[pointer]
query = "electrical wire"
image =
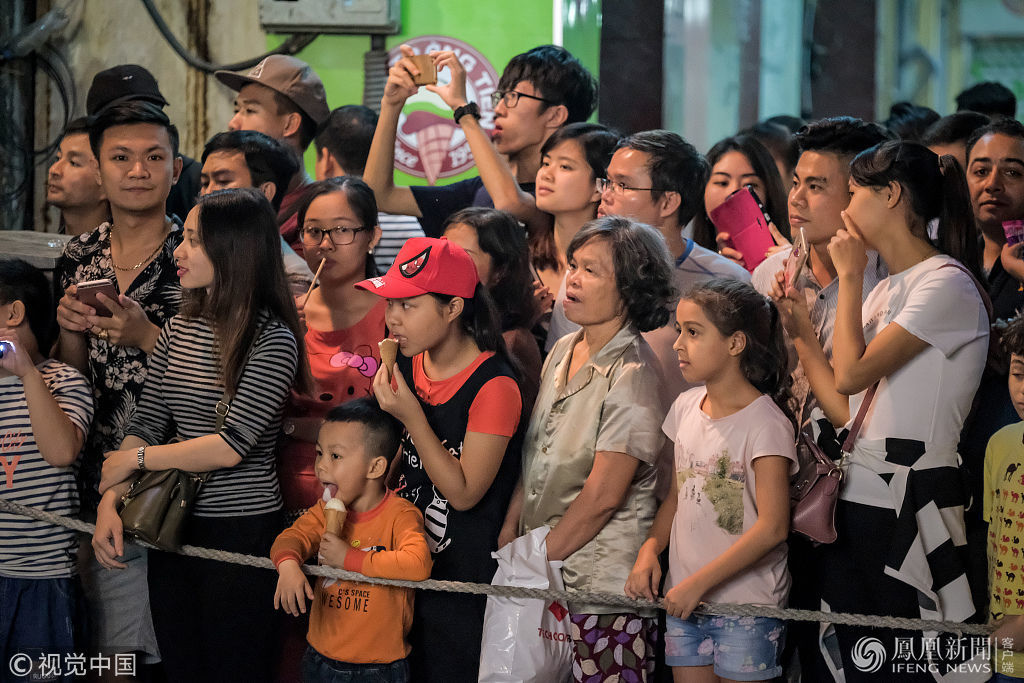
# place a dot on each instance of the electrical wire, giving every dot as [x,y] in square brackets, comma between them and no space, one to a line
[292,45]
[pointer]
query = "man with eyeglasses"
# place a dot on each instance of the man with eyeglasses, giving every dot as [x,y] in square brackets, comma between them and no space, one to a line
[539,91]
[657,177]
[247,158]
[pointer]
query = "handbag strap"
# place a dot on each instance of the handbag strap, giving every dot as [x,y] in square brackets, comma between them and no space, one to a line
[985,298]
[223,406]
[851,436]
[858,422]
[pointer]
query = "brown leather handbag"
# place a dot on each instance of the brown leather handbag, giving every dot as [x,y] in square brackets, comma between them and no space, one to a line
[814,491]
[156,506]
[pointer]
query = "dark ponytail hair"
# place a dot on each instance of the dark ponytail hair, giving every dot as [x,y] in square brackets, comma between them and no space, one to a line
[733,306]
[935,188]
[500,237]
[480,319]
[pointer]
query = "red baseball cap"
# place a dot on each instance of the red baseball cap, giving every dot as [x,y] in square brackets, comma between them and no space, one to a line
[426,265]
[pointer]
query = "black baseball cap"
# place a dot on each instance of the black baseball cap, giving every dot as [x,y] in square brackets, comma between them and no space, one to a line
[123,83]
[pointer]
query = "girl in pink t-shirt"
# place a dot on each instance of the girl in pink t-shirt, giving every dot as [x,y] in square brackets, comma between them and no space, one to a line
[727,516]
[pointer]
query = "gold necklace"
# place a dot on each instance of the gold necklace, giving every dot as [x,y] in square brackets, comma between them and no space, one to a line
[140,263]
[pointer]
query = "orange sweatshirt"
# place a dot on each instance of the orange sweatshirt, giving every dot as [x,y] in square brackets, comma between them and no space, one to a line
[360,623]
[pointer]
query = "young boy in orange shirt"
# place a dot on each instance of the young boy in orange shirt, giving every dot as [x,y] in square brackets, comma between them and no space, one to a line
[356,631]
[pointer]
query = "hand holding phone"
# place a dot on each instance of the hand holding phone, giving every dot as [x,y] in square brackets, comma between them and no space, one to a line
[743,216]
[797,260]
[87,292]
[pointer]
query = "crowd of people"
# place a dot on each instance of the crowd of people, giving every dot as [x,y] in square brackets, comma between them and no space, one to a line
[581,349]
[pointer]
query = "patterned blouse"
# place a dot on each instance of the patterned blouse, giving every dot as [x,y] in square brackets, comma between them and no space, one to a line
[117,372]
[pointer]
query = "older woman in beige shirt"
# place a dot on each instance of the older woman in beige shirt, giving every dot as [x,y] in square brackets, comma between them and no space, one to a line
[590,452]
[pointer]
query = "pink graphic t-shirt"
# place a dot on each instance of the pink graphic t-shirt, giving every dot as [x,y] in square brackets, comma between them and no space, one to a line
[715,475]
[343,363]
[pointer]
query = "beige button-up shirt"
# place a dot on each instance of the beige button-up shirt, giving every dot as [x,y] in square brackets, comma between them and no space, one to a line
[614,404]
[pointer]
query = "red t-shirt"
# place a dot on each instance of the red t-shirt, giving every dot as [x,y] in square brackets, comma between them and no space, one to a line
[343,363]
[496,408]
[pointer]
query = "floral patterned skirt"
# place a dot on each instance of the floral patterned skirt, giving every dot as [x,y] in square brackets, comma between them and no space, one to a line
[613,648]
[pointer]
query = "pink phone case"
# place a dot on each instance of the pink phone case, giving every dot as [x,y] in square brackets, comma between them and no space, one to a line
[741,217]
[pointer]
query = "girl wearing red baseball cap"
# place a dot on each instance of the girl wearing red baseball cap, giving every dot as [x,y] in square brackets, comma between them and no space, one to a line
[457,393]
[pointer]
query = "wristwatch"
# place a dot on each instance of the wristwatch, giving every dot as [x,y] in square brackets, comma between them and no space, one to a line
[142,458]
[469,108]
[289,427]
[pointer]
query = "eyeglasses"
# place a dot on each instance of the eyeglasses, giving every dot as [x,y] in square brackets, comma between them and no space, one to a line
[341,235]
[511,98]
[603,184]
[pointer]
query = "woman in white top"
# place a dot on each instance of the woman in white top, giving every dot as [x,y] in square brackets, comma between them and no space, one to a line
[922,337]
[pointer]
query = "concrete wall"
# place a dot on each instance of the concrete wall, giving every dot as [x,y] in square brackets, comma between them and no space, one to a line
[108,32]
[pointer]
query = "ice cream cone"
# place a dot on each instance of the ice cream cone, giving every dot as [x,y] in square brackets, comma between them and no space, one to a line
[335,514]
[388,354]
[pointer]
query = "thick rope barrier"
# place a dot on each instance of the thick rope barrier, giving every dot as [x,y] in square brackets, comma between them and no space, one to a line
[610,599]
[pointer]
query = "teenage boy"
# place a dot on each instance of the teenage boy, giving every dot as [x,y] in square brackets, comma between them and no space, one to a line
[137,150]
[819,194]
[247,158]
[47,407]
[381,535]
[342,146]
[539,91]
[128,83]
[657,177]
[284,98]
[73,183]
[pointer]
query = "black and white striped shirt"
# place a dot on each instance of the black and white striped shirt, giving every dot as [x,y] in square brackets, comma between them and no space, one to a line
[182,389]
[394,232]
[29,548]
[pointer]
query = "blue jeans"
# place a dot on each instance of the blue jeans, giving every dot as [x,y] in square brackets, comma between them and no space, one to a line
[316,667]
[39,617]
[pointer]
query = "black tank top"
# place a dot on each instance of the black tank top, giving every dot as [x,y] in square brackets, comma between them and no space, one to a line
[461,541]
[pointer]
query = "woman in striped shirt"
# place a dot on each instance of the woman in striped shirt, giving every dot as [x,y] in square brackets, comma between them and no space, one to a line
[236,340]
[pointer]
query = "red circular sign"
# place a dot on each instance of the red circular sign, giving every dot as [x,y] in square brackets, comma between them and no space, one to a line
[429,144]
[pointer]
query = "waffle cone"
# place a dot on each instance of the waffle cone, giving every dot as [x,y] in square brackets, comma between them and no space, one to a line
[388,354]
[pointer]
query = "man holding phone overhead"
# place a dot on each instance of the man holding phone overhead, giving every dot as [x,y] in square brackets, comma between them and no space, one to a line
[539,91]
[136,146]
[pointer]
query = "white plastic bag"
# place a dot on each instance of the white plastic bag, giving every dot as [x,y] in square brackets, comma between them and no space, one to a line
[526,640]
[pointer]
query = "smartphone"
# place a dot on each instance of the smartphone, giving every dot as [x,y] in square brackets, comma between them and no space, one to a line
[87,292]
[797,260]
[743,217]
[533,271]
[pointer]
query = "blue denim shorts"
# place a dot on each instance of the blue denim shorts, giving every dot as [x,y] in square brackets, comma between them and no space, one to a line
[740,648]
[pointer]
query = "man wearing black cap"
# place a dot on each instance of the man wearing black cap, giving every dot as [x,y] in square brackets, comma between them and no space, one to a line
[284,98]
[131,82]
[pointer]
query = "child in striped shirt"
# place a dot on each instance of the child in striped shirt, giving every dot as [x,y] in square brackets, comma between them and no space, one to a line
[45,410]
